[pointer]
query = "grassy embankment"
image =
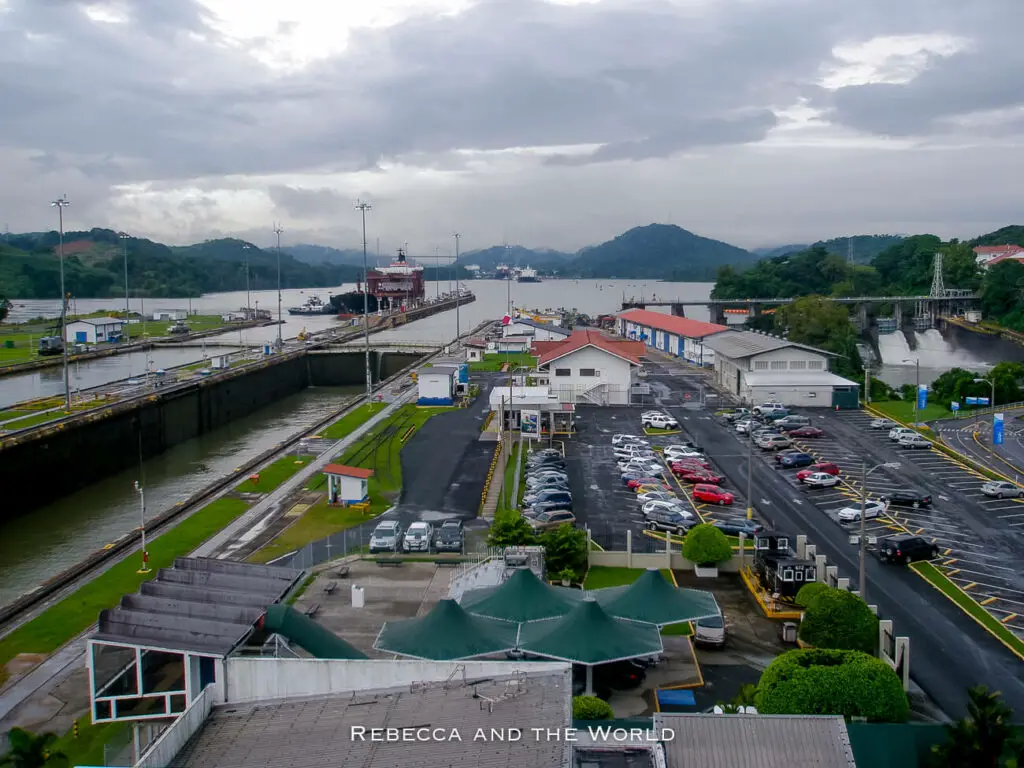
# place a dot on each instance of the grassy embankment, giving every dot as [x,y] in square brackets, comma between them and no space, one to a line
[495,361]
[379,450]
[601,576]
[903,410]
[46,409]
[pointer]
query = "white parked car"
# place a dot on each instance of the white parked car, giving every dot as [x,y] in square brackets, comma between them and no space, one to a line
[914,440]
[710,631]
[661,421]
[743,426]
[882,424]
[418,537]
[768,407]
[897,432]
[647,468]
[618,439]
[386,537]
[668,506]
[1001,489]
[873,508]
[653,495]
[633,450]
[821,480]
[674,454]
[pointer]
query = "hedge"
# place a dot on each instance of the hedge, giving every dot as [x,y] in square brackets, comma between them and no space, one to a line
[810,591]
[591,708]
[706,545]
[819,681]
[835,618]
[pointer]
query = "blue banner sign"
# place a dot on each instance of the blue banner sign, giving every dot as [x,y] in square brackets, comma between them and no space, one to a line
[982,401]
[971,400]
[997,429]
[954,406]
[922,397]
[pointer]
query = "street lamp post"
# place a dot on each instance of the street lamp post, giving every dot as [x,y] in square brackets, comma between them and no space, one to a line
[864,472]
[142,520]
[248,300]
[60,204]
[917,386]
[277,231]
[991,382]
[363,207]
[458,290]
[124,249]
[750,471]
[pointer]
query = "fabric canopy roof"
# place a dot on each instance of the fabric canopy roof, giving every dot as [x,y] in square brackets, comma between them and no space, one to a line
[524,597]
[652,600]
[588,635]
[446,633]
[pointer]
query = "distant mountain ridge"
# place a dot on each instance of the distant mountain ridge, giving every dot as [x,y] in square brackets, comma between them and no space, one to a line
[865,247]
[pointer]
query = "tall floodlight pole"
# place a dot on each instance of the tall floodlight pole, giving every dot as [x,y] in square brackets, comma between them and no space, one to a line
[142,512]
[363,207]
[458,289]
[277,231]
[248,302]
[508,276]
[864,472]
[750,471]
[124,249]
[437,274]
[60,204]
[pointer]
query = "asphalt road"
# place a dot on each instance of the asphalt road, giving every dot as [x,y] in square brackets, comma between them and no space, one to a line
[973,437]
[949,653]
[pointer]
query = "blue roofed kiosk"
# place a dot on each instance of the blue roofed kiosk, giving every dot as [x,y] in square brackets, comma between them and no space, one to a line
[347,485]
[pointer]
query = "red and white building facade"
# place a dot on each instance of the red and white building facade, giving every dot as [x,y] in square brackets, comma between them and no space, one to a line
[987,255]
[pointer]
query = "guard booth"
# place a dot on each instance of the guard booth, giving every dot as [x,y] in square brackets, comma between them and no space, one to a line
[778,569]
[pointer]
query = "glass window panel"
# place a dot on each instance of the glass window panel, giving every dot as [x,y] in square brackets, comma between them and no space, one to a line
[114,670]
[162,672]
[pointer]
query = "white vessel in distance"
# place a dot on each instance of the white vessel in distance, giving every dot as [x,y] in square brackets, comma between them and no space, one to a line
[527,275]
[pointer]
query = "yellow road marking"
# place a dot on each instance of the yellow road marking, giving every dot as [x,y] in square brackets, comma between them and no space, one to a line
[1008,619]
[972,585]
[954,572]
[947,551]
[950,562]
[989,600]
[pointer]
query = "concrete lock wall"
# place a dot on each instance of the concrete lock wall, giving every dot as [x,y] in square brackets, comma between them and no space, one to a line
[255,679]
[62,461]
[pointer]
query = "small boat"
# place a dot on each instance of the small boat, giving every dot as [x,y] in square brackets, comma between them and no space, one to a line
[313,306]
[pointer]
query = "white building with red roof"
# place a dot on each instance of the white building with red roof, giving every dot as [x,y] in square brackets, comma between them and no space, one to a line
[589,367]
[987,255]
[679,336]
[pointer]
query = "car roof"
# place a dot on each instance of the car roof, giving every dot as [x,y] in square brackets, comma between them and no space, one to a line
[387,524]
[420,524]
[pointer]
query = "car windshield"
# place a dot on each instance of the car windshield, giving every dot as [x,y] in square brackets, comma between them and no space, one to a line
[711,622]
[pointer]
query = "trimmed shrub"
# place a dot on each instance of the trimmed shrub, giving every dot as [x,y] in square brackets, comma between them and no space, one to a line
[706,545]
[591,708]
[819,681]
[810,591]
[835,618]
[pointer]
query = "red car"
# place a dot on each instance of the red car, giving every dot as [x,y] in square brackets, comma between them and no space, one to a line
[638,481]
[826,467]
[807,432]
[701,477]
[712,494]
[690,464]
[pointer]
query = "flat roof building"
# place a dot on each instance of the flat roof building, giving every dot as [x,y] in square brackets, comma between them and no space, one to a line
[93,330]
[679,336]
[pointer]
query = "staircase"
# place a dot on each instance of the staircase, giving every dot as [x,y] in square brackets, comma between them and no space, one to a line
[596,395]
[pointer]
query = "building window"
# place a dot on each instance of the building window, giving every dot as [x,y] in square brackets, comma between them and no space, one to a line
[815,365]
[760,365]
[811,394]
[563,372]
[588,372]
[778,365]
[797,365]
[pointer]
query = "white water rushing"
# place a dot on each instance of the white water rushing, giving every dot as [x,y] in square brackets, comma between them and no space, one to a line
[933,356]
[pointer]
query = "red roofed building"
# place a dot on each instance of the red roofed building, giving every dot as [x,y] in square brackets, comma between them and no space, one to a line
[347,485]
[589,367]
[679,336]
[987,255]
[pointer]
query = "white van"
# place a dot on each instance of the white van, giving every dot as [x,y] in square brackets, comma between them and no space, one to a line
[710,631]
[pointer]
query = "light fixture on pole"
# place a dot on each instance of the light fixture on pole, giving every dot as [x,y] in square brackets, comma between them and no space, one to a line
[992,383]
[508,276]
[458,289]
[363,207]
[142,520]
[917,387]
[124,249]
[750,471]
[248,302]
[864,472]
[277,231]
[60,204]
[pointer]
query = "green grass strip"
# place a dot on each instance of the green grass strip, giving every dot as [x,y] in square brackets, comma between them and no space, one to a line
[75,613]
[272,475]
[352,420]
[969,605]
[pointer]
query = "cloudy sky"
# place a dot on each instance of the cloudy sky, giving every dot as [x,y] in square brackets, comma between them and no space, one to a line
[554,123]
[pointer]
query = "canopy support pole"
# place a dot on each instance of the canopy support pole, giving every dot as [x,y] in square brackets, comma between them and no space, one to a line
[590,680]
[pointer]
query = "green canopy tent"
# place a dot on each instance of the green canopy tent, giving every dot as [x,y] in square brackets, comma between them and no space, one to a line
[446,633]
[652,600]
[522,598]
[588,635]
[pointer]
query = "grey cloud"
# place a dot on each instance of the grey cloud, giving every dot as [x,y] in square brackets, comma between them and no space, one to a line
[303,203]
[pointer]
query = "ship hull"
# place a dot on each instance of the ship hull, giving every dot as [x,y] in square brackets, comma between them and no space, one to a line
[528,280]
[351,303]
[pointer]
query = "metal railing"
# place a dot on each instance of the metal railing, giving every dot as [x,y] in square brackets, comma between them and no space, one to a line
[987,409]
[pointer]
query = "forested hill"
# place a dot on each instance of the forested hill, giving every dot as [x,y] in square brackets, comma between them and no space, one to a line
[94,267]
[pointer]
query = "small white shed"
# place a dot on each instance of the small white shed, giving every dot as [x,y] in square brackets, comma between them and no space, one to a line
[93,330]
[436,386]
[347,485]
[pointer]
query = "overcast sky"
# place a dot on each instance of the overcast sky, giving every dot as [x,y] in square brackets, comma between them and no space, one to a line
[554,123]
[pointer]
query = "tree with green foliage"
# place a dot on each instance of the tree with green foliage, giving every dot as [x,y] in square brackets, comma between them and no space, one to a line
[510,529]
[960,266]
[738,704]
[906,267]
[706,545]
[818,322]
[31,750]
[956,384]
[836,618]
[5,307]
[1002,294]
[565,549]
[985,738]
[591,708]
[809,591]
[820,681]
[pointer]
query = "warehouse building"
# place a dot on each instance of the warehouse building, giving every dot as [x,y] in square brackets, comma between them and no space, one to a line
[93,330]
[525,326]
[679,336]
[759,368]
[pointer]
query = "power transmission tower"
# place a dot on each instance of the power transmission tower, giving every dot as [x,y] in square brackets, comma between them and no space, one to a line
[849,250]
[938,288]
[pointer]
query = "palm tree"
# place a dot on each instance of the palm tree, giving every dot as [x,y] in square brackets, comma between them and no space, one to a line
[982,738]
[29,750]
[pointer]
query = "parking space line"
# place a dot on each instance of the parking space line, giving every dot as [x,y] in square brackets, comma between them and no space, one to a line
[989,600]
[1009,618]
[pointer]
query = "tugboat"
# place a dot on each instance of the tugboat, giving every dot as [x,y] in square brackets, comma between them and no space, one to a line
[313,306]
[527,275]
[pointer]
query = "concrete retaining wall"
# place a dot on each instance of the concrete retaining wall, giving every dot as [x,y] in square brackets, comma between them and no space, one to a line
[675,561]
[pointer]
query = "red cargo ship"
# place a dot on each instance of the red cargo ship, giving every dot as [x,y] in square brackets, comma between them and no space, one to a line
[399,285]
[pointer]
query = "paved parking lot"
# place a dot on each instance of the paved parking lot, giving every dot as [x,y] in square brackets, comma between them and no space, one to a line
[973,438]
[602,502]
[980,538]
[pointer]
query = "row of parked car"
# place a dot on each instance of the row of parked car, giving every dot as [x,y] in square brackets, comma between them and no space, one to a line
[547,501]
[421,536]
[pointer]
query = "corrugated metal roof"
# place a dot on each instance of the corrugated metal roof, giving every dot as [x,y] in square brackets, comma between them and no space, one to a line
[740,344]
[530,323]
[681,326]
[755,741]
[316,732]
[795,379]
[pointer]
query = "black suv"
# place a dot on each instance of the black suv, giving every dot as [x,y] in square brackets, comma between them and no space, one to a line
[906,549]
[449,536]
[669,521]
[915,499]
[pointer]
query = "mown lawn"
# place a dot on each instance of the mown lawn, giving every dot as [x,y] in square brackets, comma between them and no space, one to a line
[75,613]
[903,410]
[272,475]
[601,576]
[494,361]
[87,749]
[318,522]
[352,420]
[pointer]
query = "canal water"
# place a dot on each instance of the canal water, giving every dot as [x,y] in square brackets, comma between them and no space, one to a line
[39,545]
